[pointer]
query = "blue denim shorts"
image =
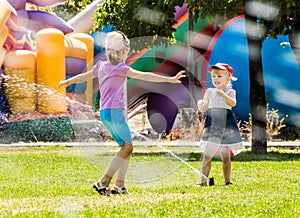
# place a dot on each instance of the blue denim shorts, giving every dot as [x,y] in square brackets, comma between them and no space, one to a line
[115,122]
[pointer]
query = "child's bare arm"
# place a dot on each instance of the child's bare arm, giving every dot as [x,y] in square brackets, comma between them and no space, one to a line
[229,98]
[151,77]
[76,79]
[203,104]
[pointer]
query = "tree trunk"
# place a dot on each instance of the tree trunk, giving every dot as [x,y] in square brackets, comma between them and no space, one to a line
[294,40]
[258,105]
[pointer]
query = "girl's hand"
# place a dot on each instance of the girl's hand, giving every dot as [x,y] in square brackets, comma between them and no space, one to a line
[63,83]
[220,92]
[202,105]
[176,79]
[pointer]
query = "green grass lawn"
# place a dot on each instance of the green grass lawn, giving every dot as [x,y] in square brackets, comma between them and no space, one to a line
[57,182]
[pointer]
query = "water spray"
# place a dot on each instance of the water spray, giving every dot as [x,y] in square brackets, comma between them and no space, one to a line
[173,155]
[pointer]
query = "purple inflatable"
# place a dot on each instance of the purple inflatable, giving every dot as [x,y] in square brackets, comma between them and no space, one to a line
[39,20]
[18,4]
[21,4]
[75,66]
[46,3]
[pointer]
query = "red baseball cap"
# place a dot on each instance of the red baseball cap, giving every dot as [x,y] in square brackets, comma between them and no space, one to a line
[221,66]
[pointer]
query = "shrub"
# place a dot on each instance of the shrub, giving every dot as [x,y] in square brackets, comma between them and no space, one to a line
[274,123]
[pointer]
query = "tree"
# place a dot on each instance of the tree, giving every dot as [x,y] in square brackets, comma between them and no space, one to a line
[149,23]
[70,8]
[286,22]
[258,103]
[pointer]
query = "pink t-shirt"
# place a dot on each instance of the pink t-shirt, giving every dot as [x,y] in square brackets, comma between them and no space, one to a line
[112,79]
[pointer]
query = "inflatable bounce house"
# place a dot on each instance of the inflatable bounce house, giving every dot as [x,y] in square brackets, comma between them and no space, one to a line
[31,69]
[29,93]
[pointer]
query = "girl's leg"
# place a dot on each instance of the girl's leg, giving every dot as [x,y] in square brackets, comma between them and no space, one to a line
[115,122]
[226,164]
[125,151]
[121,173]
[206,166]
[208,153]
[118,163]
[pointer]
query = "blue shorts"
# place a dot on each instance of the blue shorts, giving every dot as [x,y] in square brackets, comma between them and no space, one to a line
[114,121]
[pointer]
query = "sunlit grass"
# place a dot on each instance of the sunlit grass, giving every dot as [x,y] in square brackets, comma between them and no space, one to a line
[57,182]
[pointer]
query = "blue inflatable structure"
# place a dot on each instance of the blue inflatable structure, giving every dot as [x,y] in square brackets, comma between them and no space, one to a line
[280,70]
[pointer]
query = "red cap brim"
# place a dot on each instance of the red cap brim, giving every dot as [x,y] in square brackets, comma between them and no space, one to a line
[221,66]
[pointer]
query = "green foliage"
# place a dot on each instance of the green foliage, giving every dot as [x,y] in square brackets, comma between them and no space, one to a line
[274,123]
[286,20]
[147,23]
[141,18]
[218,11]
[277,17]
[70,8]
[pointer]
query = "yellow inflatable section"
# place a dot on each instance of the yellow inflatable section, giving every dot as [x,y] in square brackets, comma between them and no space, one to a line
[50,70]
[3,35]
[89,43]
[31,77]
[5,12]
[2,55]
[75,48]
[19,83]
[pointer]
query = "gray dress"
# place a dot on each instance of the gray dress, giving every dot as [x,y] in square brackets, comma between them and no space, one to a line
[220,128]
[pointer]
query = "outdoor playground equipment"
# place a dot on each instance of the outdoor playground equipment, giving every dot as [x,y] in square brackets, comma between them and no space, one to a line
[73,47]
[32,73]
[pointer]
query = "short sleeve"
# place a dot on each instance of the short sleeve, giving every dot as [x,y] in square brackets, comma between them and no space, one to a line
[97,68]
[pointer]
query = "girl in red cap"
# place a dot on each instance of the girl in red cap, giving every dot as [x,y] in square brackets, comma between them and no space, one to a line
[221,133]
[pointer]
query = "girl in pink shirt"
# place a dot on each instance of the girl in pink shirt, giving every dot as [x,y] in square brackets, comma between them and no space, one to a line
[112,76]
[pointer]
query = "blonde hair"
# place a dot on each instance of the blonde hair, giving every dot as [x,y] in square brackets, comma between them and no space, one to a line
[231,77]
[116,44]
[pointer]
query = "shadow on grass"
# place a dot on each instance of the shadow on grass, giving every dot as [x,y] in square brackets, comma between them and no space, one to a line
[244,156]
[270,156]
